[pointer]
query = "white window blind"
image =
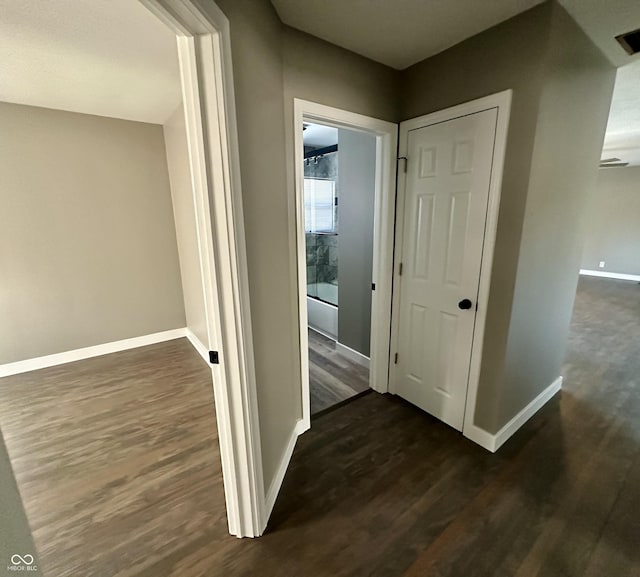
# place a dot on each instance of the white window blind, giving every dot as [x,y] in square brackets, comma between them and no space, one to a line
[319,202]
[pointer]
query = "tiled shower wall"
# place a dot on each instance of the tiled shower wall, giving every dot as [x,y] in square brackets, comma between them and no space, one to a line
[322,258]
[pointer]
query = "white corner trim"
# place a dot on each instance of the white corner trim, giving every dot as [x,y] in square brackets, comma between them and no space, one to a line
[494,442]
[352,355]
[89,352]
[605,274]
[197,345]
[525,414]
[276,483]
[480,437]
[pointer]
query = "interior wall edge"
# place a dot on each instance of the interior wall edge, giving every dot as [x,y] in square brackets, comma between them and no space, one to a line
[493,441]
[278,478]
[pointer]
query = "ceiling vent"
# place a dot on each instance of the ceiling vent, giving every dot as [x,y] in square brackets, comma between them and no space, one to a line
[612,163]
[630,41]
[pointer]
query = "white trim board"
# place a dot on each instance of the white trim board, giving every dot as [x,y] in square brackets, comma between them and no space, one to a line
[493,442]
[321,332]
[89,352]
[352,355]
[197,344]
[605,274]
[386,134]
[278,478]
[204,50]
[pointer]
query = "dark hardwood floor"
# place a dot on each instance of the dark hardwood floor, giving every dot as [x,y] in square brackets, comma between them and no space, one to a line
[117,465]
[332,378]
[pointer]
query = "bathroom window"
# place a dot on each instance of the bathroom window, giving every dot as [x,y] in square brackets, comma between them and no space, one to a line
[319,203]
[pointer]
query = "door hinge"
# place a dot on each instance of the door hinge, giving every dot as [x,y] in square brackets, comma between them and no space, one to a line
[406,162]
[400,270]
[214,359]
[395,359]
[373,286]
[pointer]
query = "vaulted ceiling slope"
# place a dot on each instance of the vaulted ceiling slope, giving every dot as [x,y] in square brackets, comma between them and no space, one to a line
[400,33]
[104,57]
[397,33]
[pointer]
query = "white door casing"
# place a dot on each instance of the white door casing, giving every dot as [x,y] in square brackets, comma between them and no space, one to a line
[386,134]
[204,49]
[443,202]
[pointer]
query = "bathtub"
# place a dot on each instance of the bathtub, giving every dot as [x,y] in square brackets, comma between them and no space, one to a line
[323,315]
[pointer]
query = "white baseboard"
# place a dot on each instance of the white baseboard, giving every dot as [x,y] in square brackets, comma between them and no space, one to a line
[276,483]
[197,345]
[89,352]
[480,437]
[321,332]
[493,442]
[352,355]
[606,274]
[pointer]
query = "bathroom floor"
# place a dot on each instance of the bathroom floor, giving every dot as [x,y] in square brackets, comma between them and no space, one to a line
[333,378]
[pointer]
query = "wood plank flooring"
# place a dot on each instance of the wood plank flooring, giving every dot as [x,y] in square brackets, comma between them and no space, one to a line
[332,378]
[117,466]
[116,458]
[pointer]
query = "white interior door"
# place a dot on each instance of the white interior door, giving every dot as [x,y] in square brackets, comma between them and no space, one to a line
[443,224]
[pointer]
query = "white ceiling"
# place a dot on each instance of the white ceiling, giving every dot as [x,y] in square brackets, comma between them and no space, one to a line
[400,33]
[105,57]
[319,136]
[622,139]
[397,33]
[603,20]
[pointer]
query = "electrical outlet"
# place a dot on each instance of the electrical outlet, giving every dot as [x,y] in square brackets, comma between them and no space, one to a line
[601,265]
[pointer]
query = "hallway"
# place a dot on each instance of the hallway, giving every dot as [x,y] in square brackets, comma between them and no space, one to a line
[387,490]
[118,468]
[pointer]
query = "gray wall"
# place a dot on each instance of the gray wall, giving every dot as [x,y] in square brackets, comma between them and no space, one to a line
[272,65]
[175,138]
[509,55]
[558,79]
[87,241]
[572,118]
[357,179]
[321,72]
[613,222]
[256,43]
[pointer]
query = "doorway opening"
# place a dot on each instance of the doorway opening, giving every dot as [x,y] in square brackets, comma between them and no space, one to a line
[117,247]
[345,170]
[339,199]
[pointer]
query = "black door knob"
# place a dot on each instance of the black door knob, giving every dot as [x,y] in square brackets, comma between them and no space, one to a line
[465,304]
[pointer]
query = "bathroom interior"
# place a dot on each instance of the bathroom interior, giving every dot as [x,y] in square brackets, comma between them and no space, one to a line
[339,195]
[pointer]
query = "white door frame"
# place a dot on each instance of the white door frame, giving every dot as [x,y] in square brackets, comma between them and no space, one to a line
[502,102]
[204,52]
[386,134]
